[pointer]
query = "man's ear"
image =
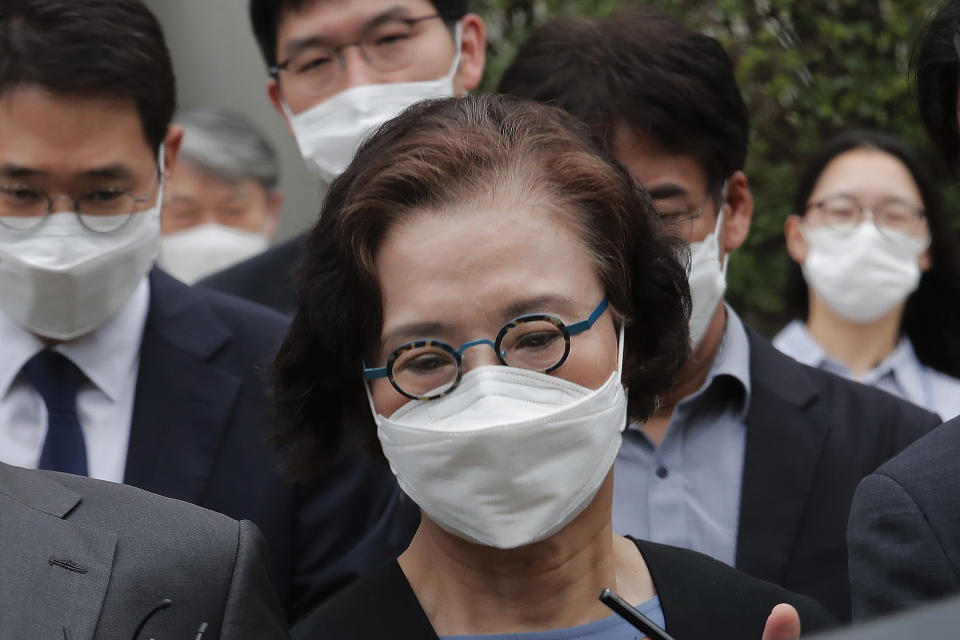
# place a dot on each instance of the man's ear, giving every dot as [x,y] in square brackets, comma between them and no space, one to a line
[171,148]
[796,243]
[738,213]
[473,53]
[273,92]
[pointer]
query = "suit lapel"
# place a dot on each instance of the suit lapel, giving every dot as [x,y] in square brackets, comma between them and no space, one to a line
[183,402]
[54,574]
[783,450]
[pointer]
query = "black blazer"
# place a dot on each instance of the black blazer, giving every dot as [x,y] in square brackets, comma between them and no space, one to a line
[811,437]
[905,527]
[200,419]
[700,597]
[267,279]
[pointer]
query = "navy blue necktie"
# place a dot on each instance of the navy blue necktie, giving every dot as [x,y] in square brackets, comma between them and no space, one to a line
[57,380]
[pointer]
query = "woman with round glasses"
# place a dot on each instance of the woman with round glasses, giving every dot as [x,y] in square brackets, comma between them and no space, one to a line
[876,283]
[464,302]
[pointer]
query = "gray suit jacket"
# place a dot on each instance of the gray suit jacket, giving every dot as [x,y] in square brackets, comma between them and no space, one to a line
[83,559]
[931,622]
[904,529]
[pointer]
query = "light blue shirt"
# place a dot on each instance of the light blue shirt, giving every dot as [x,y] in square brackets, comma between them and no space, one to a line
[900,374]
[612,628]
[686,491]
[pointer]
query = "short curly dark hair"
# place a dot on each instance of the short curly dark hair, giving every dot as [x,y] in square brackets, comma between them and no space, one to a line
[435,155]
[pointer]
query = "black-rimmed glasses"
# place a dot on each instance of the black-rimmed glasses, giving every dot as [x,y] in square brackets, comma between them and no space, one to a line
[386,45]
[427,369]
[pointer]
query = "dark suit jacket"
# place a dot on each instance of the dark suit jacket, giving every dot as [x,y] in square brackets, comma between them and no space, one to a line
[700,597]
[938,621]
[88,560]
[904,531]
[811,437]
[200,419]
[267,279]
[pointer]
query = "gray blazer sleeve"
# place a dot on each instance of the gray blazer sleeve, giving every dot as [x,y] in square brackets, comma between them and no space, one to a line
[252,611]
[896,558]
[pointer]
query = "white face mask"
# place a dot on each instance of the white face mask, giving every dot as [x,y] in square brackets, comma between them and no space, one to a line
[708,281]
[204,249]
[330,133]
[860,273]
[61,280]
[510,456]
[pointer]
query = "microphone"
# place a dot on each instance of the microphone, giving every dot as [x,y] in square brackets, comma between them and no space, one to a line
[166,603]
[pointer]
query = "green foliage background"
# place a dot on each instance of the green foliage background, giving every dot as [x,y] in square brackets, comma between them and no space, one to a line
[807,69]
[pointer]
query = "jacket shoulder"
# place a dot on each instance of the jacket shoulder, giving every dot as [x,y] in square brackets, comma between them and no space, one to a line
[125,509]
[703,597]
[267,278]
[932,458]
[834,398]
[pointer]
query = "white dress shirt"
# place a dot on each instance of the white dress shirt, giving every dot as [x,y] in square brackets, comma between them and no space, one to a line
[109,358]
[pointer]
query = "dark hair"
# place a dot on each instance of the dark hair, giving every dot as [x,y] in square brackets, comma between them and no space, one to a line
[936,66]
[932,312]
[265,19]
[96,48]
[433,156]
[642,70]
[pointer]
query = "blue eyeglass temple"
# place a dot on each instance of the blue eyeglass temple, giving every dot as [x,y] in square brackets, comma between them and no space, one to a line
[575,328]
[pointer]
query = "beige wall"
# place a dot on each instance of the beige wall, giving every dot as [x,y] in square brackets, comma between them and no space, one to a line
[218,64]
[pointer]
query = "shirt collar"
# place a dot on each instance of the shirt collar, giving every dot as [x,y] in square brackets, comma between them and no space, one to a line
[902,364]
[120,337]
[732,359]
[795,341]
[906,370]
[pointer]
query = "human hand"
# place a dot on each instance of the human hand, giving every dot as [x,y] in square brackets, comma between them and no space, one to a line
[783,623]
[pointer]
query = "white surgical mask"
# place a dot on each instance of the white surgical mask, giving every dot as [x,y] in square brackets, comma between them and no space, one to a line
[330,133]
[204,249]
[61,280]
[708,281]
[510,456]
[860,273]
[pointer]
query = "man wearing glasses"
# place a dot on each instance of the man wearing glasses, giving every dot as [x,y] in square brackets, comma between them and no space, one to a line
[110,368]
[752,457]
[337,71]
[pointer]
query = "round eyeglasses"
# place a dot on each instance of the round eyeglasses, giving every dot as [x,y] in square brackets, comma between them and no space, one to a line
[427,369]
[314,68]
[103,210]
[844,212]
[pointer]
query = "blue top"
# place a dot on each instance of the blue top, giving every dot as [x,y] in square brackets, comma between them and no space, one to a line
[686,490]
[900,374]
[612,628]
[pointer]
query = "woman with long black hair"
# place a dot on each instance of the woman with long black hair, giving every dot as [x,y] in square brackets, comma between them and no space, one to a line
[875,287]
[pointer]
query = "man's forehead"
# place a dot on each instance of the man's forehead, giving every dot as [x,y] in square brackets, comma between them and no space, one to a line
[656,166]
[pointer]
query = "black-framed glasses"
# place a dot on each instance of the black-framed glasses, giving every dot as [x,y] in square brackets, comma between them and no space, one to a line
[386,45]
[101,210]
[844,212]
[680,223]
[427,369]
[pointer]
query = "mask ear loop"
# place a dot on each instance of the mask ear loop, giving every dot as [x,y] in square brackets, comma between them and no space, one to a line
[719,228]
